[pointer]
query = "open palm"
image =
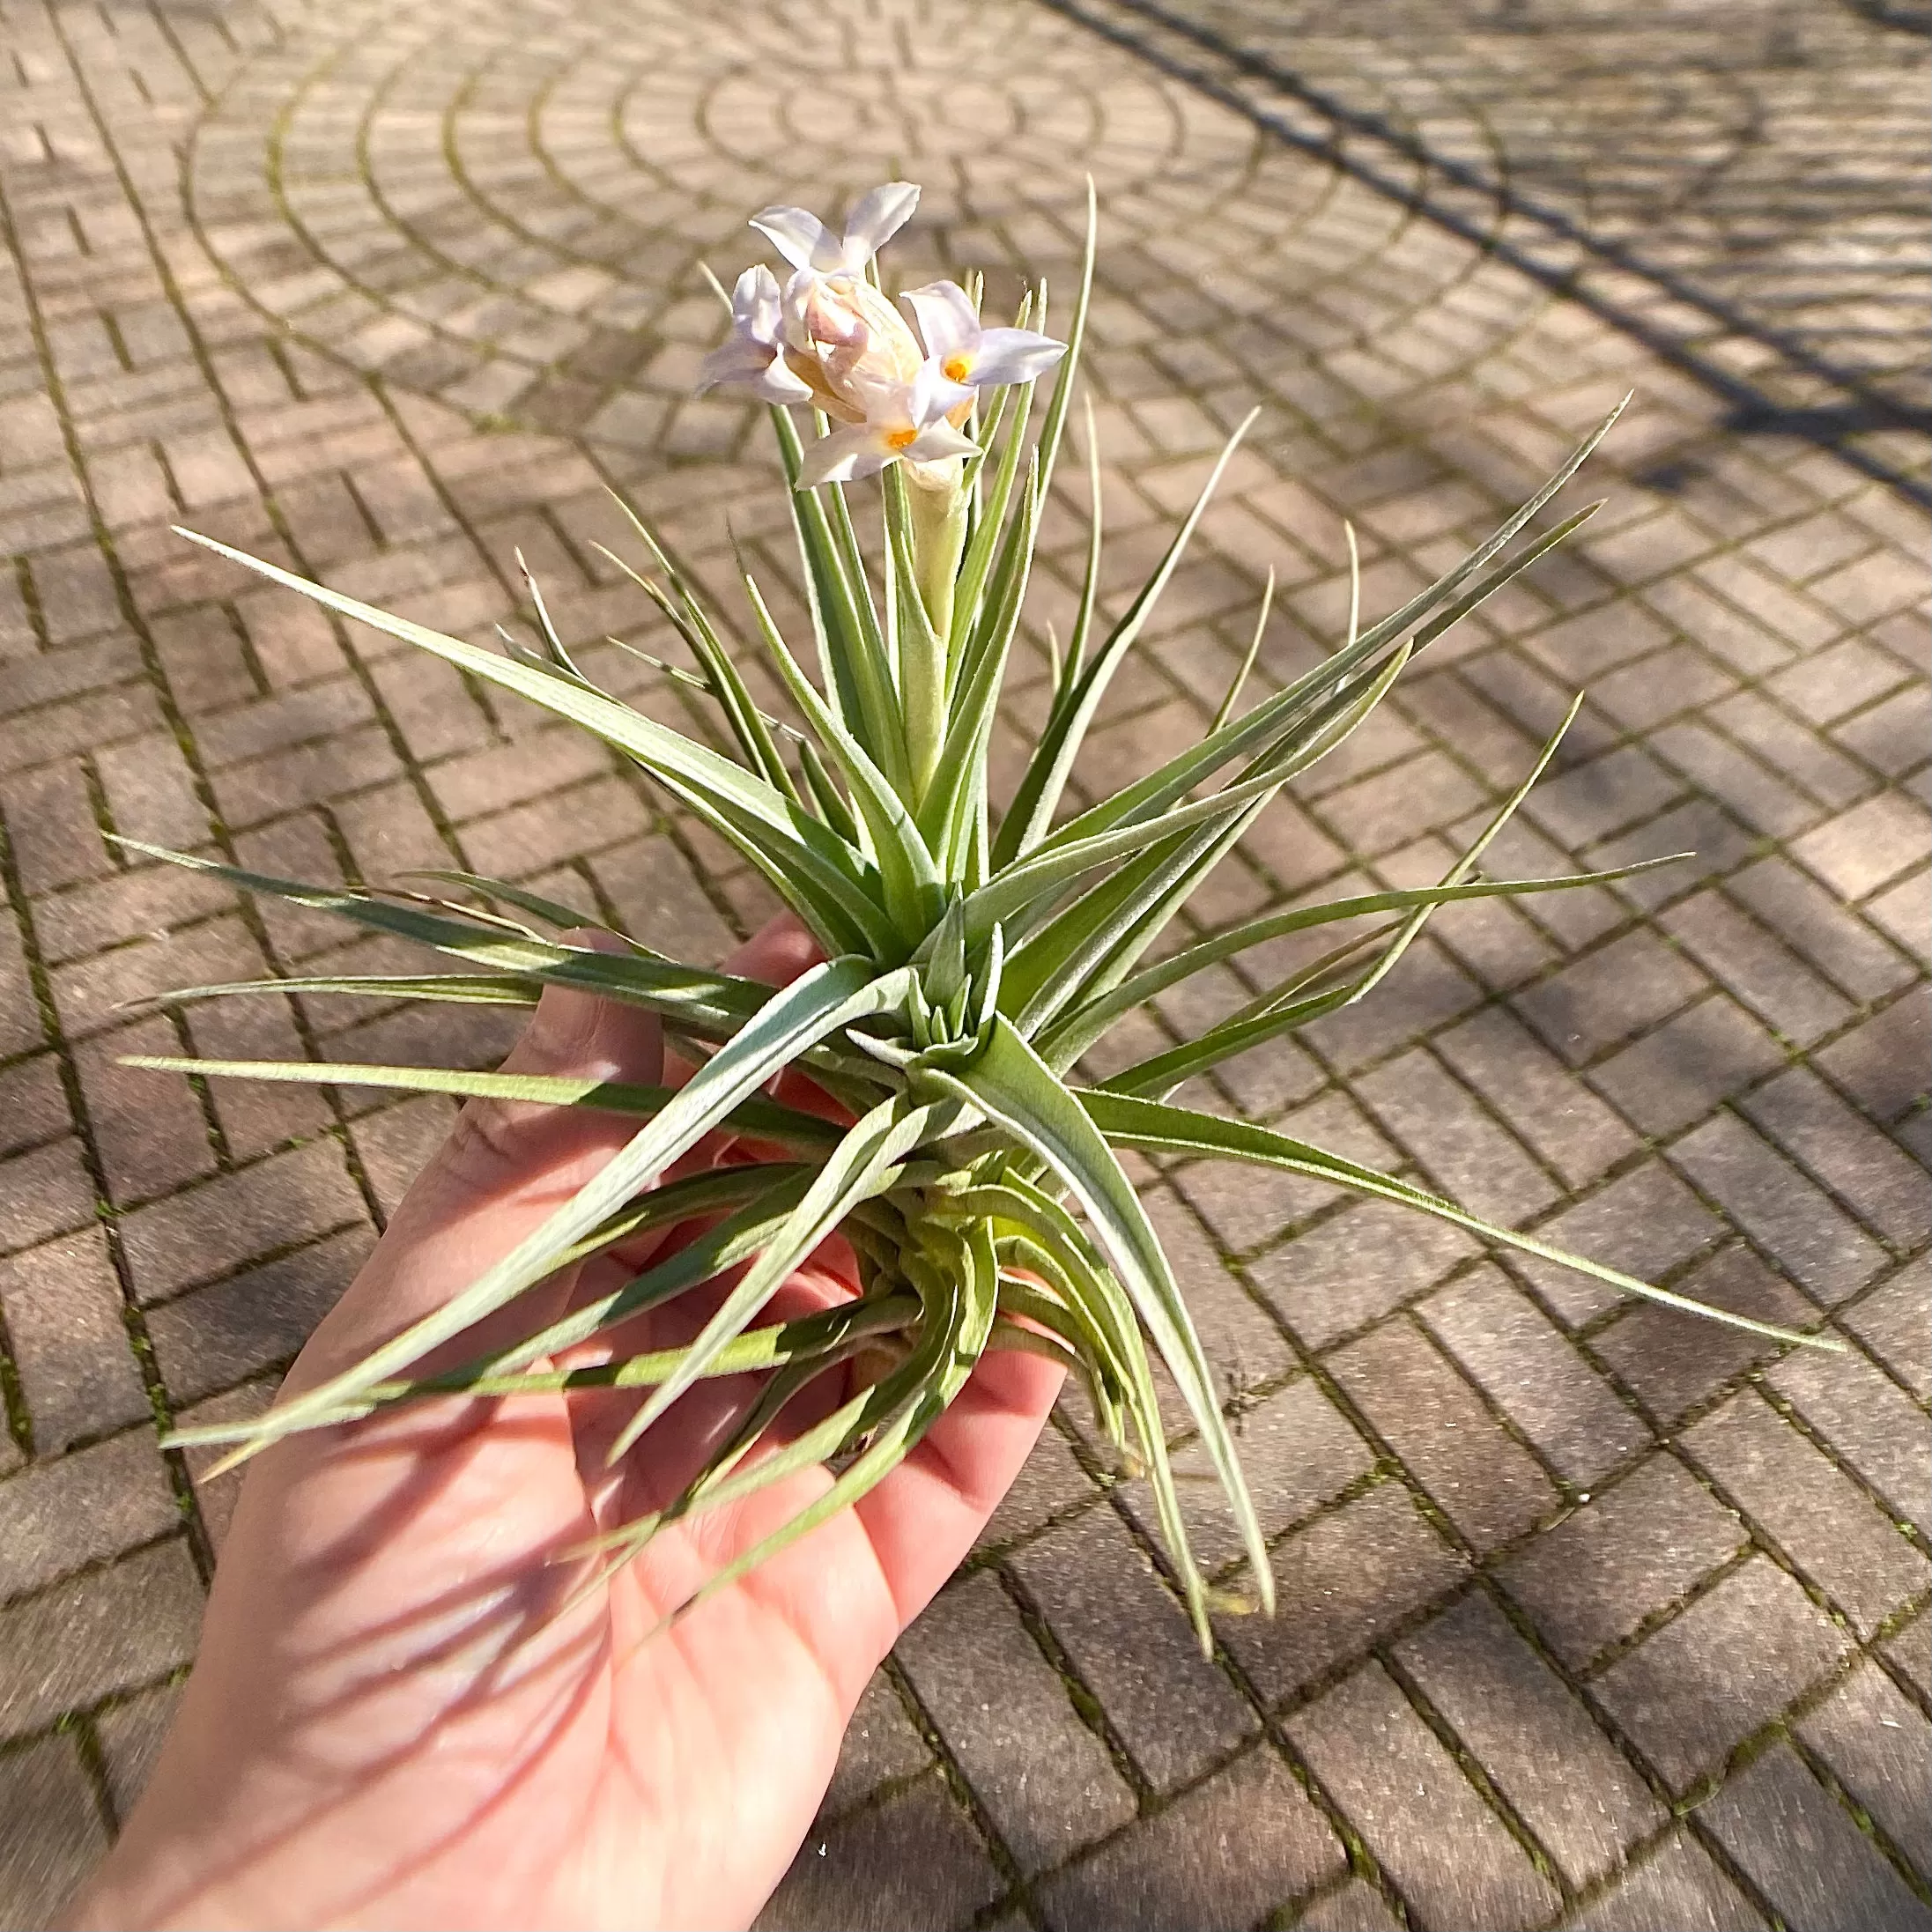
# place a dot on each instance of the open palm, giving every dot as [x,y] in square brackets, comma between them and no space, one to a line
[406,1711]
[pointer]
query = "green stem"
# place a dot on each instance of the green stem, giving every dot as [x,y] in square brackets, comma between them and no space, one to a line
[939,534]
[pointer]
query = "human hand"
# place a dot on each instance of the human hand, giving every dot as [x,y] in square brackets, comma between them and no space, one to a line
[400,1718]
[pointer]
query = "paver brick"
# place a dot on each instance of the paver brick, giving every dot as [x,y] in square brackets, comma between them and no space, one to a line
[1609,996]
[1602,1571]
[1046,1781]
[1649,1348]
[1840,945]
[1910,1652]
[1128,1639]
[1882,1062]
[132,1734]
[44,1192]
[1862,849]
[85,1640]
[1357,1907]
[1506,1345]
[1534,1741]
[1355,1266]
[1465,1154]
[1793,1840]
[54,1834]
[1679,1884]
[1487,1486]
[211,1337]
[1340,1583]
[1877,1744]
[914,1860]
[1815,1241]
[1411,1803]
[1560,1118]
[59,1516]
[1867,1419]
[1788,1488]
[1889,1191]
[32,1103]
[1890,1321]
[1221,1856]
[1782,991]
[1733,1660]
[1645,1222]
[881,1745]
[1300,1451]
[64,1309]
[1739,610]
[208,1231]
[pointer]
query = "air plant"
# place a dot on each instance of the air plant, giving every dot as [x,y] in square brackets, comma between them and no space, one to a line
[972,956]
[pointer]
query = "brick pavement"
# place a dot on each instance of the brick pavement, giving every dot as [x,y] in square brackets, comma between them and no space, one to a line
[1591,1616]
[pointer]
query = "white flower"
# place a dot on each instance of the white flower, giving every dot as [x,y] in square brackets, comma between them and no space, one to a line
[903,420]
[983,358]
[807,243]
[846,340]
[752,356]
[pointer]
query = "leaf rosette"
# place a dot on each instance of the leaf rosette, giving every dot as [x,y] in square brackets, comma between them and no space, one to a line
[972,958]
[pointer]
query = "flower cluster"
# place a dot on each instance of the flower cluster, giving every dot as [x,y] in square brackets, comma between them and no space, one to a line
[829,337]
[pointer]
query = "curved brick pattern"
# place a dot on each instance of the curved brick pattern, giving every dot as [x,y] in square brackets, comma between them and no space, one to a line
[392,293]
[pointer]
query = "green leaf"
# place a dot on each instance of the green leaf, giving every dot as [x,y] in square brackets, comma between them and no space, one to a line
[912,897]
[922,649]
[552,912]
[461,989]
[784,1343]
[1011,891]
[1091,945]
[865,1162]
[823,999]
[1089,1022]
[1055,424]
[965,1299]
[1038,797]
[1018,1090]
[1234,697]
[708,1002]
[693,623]
[830,885]
[763,1119]
[956,804]
[1267,1019]
[762,1195]
[1263,726]
[1174,1130]
[852,650]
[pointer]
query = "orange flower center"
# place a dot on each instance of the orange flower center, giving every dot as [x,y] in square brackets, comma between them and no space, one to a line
[901,438]
[957,368]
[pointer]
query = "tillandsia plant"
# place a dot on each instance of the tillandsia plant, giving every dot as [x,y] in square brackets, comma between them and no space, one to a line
[971,957]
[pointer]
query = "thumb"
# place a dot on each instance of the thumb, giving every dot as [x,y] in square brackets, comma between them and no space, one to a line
[506,1167]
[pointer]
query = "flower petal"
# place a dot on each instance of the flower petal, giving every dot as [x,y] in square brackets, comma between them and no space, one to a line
[1013,355]
[873,220]
[933,395]
[740,363]
[843,457]
[936,440]
[948,323]
[799,236]
[755,303]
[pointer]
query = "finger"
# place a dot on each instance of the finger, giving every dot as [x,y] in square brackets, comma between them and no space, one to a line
[505,1168]
[924,1518]
[777,953]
